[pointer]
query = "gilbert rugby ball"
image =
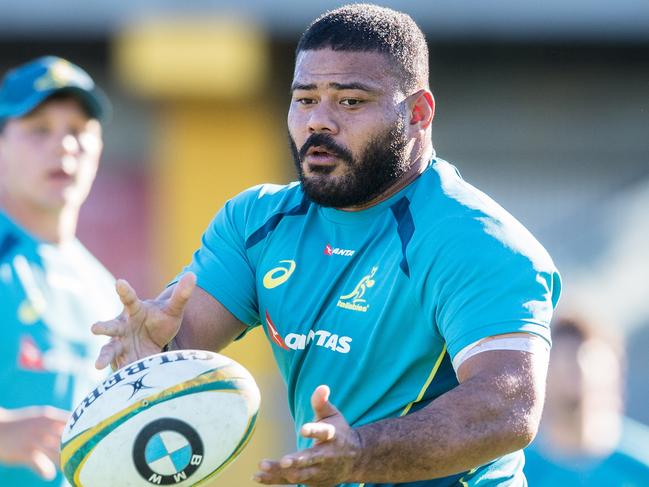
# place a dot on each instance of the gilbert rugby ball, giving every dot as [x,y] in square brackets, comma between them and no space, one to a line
[175,418]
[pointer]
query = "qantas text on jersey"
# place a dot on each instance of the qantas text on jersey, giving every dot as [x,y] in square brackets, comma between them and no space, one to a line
[319,338]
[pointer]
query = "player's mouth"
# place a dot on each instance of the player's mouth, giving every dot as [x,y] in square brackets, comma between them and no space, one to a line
[320,159]
[60,176]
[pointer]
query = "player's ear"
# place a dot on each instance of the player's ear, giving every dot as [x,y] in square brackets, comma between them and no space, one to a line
[422,108]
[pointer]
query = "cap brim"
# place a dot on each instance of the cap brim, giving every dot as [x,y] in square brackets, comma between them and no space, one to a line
[94,101]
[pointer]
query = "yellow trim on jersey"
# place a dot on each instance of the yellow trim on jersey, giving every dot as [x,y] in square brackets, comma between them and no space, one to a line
[430,378]
[433,372]
[464,482]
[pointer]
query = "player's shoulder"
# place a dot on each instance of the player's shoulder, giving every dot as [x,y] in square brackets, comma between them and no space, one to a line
[444,196]
[264,200]
[634,441]
[271,194]
[11,237]
[450,210]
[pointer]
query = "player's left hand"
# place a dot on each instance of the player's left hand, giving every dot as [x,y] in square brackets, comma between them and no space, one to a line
[329,462]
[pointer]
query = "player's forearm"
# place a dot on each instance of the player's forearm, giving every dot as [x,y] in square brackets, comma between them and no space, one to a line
[192,337]
[465,428]
[206,324]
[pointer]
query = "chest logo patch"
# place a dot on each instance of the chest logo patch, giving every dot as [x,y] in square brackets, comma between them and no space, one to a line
[279,275]
[355,300]
[329,250]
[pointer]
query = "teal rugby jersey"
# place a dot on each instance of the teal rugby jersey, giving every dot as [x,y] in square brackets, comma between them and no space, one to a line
[626,466]
[375,303]
[49,297]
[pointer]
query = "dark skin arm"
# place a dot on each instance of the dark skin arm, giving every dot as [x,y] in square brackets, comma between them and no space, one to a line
[494,411]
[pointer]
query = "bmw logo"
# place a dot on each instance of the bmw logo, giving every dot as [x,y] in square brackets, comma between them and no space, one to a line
[167,451]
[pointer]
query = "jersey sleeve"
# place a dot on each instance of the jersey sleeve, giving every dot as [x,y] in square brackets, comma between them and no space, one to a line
[222,266]
[486,279]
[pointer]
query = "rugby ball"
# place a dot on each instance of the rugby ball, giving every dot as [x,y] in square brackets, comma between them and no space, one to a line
[174,418]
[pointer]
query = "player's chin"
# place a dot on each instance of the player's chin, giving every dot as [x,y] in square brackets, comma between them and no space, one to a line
[322,170]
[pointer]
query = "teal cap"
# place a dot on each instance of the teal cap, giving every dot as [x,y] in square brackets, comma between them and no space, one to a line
[28,85]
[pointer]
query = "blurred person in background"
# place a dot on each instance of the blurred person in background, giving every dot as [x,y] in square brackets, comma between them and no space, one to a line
[385,284]
[585,440]
[51,287]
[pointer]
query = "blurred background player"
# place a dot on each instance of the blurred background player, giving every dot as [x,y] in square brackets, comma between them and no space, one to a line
[51,287]
[585,440]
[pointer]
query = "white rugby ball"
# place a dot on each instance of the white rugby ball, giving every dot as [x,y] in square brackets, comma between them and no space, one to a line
[175,418]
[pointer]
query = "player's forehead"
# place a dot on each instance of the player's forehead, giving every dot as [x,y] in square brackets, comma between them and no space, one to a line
[58,105]
[325,68]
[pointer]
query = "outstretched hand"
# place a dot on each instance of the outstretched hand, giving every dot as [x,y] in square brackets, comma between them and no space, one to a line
[145,326]
[30,437]
[330,461]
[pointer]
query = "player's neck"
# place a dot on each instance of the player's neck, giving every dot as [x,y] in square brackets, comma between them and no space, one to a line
[417,166]
[54,226]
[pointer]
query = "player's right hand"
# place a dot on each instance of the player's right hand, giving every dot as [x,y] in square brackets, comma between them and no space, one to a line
[144,327]
[31,436]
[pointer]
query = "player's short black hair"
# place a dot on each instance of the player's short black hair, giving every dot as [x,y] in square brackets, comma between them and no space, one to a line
[367,27]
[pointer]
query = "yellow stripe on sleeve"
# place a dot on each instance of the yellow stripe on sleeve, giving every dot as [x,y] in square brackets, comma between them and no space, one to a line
[432,375]
[430,378]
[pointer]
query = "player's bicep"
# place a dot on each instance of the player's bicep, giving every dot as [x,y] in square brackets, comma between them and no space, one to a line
[518,341]
[516,376]
[512,352]
[207,324]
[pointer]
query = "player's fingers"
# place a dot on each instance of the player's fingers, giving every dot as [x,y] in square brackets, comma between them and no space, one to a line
[269,473]
[272,473]
[128,296]
[266,479]
[50,439]
[318,431]
[301,460]
[51,452]
[301,476]
[180,295]
[320,403]
[269,466]
[58,417]
[112,328]
[42,465]
[50,442]
[105,357]
[108,354]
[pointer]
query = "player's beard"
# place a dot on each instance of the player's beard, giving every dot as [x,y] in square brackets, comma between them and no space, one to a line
[382,162]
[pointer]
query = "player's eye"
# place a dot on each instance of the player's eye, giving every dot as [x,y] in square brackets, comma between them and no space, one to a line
[304,100]
[351,102]
[39,129]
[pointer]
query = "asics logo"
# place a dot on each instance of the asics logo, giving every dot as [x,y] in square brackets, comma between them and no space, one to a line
[279,275]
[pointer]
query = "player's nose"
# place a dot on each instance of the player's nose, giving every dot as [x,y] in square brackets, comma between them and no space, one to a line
[322,120]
